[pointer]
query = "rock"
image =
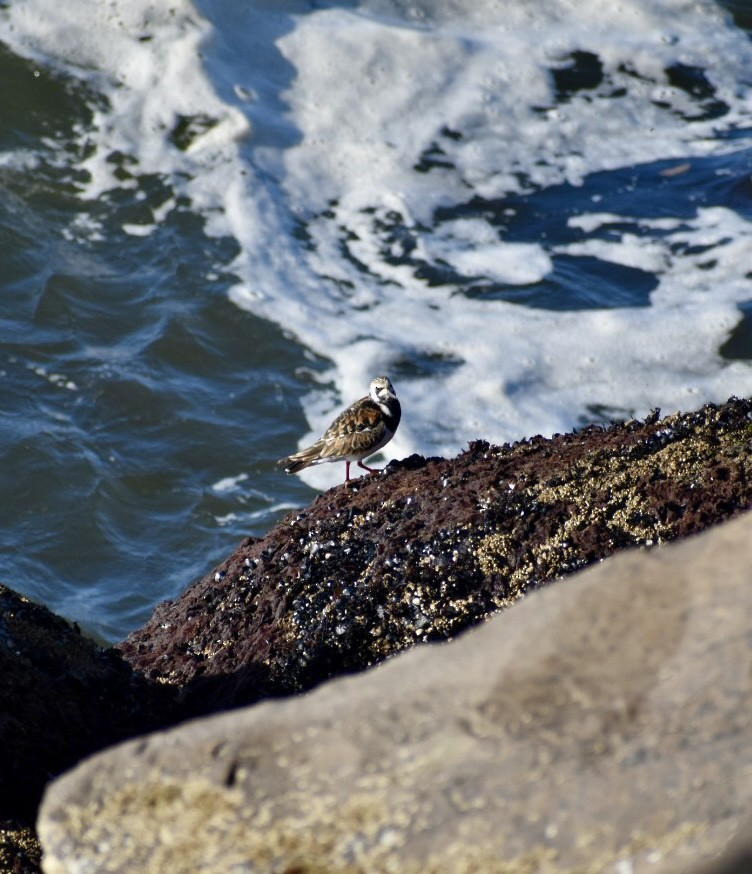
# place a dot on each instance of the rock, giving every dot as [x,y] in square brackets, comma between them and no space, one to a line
[434,546]
[603,724]
[20,850]
[736,858]
[63,698]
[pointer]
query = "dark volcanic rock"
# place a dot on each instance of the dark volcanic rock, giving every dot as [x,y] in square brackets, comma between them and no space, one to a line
[63,698]
[432,546]
[20,850]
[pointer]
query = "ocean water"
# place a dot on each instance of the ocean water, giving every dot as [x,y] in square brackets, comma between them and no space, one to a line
[220,219]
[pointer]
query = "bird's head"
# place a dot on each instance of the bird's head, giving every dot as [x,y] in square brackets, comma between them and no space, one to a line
[382,391]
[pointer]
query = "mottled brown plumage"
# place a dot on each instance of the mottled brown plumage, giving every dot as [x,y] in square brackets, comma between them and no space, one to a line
[359,431]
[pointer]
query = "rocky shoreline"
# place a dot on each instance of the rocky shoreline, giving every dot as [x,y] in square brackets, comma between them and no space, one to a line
[419,553]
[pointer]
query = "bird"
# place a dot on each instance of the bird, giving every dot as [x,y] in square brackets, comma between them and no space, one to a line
[359,431]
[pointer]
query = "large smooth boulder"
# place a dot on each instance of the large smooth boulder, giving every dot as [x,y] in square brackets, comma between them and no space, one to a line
[603,724]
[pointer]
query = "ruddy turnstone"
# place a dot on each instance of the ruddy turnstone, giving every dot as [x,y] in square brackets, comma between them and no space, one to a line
[359,431]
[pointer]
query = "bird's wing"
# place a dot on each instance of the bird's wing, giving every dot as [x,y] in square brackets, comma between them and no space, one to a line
[357,428]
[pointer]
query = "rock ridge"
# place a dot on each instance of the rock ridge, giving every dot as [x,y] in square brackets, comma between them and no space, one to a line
[432,546]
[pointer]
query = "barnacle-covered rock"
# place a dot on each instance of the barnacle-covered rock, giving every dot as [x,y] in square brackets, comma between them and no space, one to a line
[432,546]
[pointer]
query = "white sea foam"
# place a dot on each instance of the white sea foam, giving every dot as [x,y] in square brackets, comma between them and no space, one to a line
[335,133]
[229,483]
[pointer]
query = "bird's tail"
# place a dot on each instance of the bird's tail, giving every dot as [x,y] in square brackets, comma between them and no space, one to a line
[302,459]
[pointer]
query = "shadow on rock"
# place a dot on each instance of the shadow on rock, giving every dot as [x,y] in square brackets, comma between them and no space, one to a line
[64,698]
